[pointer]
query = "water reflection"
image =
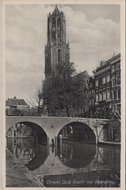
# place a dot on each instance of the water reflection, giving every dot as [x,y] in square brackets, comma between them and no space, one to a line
[71,157]
[109,158]
[76,155]
[28,151]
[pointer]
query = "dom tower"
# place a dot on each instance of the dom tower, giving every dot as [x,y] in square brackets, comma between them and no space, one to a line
[56,50]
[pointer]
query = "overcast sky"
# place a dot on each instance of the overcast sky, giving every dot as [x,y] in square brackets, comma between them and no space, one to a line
[92,30]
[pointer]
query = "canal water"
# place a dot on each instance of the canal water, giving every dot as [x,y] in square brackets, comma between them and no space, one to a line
[71,164]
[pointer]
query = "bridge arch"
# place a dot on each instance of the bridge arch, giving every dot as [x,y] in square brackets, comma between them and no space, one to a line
[53,125]
[38,132]
[78,130]
[32,151]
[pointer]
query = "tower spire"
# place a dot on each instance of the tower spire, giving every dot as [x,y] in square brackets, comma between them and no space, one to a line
[56,10]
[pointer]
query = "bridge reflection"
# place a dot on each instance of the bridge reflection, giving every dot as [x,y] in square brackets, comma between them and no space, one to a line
[76,155]
[28,151]
[73,157]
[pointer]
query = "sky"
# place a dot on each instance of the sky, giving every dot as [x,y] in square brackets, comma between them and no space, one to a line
[93,32]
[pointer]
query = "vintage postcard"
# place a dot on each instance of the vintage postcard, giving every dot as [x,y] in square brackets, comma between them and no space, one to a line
[63,94]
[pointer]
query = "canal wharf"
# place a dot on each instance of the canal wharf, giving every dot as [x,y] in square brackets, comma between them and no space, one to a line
[17,175]
[108,143]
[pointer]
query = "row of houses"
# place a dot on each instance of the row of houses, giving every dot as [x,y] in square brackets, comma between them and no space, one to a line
[105,89]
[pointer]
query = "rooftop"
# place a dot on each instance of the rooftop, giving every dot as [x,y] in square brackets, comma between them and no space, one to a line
[107,62]
[15,101]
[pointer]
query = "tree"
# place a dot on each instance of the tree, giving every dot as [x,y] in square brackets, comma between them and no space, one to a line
[80,93]
[57,89]
[64,90]
[37,100]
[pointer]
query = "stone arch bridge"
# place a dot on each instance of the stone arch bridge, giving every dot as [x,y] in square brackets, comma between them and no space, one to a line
[53,125]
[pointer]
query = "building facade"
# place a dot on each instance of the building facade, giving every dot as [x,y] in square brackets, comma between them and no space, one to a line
[15,106]
[56,50]
[107,88]
[115,86]
[91,95]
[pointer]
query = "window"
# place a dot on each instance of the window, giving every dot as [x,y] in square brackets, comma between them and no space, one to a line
[113,81]
[93,92]
[118,94]
[118,82]
[92,101]
[108,78]
[113,68]
[53,22]
[108,94]
[89,102]
[96,83]
[118,78]
[119,108]
[58,22]
[104,95]
[59,56]
[96,97]
[100,81]
[100,96]
[104,80]
[59,36]
[117,67]
[53,35]
[114,108]
[114,94]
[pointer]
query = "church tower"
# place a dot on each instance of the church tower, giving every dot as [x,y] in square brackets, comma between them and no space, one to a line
[56,50]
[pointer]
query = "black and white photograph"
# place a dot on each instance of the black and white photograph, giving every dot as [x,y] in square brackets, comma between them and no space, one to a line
[63,95]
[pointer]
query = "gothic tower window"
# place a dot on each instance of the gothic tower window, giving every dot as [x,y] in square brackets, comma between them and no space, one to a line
[59,55]
[48,29]
[53,22]
[59,36]
[58,22]
[53,35]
